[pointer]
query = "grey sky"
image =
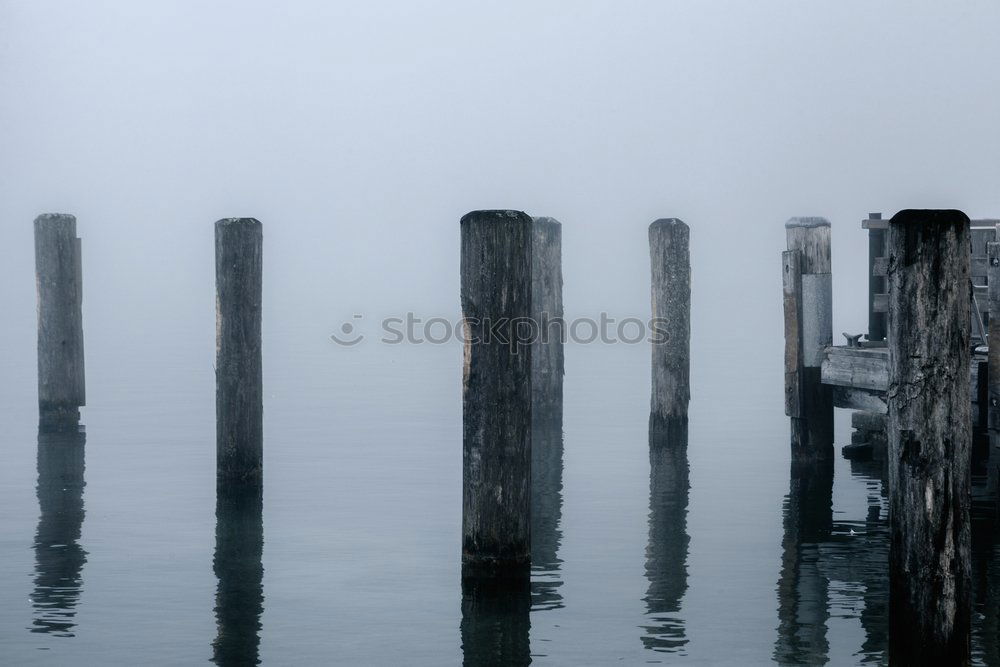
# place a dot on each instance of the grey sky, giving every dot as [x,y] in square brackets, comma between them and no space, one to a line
[360,132]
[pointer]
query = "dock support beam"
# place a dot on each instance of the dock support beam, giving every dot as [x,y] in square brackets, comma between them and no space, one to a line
[496,277]
[670,261]
[59,279]
[808,304]
[929,438]
[993,366]
[238,378]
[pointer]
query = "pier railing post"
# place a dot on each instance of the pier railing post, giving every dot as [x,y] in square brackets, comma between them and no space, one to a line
[238,376]
[59,279]
[670,262]
[993,365]
[808,331]
[930,434]
[496,277]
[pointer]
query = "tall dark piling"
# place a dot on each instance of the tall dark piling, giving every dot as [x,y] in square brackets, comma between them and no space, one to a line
[496,391]
[59,280]
[929,438]
[808,305]
[670,260]
[239,597]
[876,284]
[238,380]
[993,366]
[547,360]
[59,556]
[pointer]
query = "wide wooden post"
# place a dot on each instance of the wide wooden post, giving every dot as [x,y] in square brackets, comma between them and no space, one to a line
[547,360]
[930,436]
[238,379]
[993,366]
[670,261]
[496,417]
[59,279]
[808,302]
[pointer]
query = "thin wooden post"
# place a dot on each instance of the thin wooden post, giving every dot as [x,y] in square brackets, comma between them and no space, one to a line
[670,261]
[808,331]
[993,284]
[496,262]
[876,284]
[547,360]
[930,437]
[238,378]
[59,279]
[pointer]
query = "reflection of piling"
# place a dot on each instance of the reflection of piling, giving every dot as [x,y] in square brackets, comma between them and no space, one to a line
[929,437]
[496,418]
[667,550]
[670,260]
[803,588]
[59,558]
[239,600]
[808,305]
[495,621]
[238,379]
[59,279]
[546,506]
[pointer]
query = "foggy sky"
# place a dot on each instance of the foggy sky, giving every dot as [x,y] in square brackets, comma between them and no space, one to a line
[359,133]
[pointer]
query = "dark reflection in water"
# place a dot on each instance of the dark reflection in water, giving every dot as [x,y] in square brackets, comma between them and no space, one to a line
[546,506]
[59,558]
[495,620]
[239,599]
[667,550]
[831,569]
[986,553]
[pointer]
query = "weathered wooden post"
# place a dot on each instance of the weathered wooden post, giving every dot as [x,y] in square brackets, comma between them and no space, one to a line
[808,305]
[59,279]
[238,379]
[670,260]
[547,361]
[993,366]
[930,437]
[496,417]
[876,284]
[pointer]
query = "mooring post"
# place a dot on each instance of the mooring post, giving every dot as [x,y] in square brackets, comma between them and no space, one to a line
[496,282]
[876,284]
[59,280]
[930,435]
[547,359]
[670,261]
[238,380]
[808,309]
[993,365]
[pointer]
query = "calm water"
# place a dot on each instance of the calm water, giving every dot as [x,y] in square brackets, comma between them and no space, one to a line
[113,549]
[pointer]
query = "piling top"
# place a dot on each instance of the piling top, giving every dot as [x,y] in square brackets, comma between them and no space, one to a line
[812,221]
[915,216]
[495,215]
[56,220]
[668,222]
[237,222]
[545,220]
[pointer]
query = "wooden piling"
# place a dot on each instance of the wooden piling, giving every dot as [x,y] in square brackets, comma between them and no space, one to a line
[238,380]
[929,438]
[993,284]
[808,305]
[547,360]
[670,261]
[876,284]
[59,280]
[496,277]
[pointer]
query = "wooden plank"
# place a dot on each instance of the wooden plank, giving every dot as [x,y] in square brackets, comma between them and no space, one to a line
[881,303]
[868,421]
[859,399]
[854,370]
[874,224]
[791,284]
